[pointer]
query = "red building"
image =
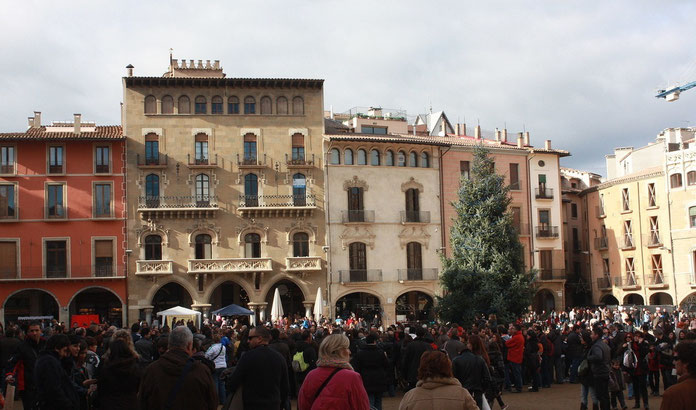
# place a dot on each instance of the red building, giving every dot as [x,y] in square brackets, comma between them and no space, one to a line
[62,221]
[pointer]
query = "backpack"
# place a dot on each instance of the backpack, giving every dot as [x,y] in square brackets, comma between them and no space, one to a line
[298,363]
[630,361]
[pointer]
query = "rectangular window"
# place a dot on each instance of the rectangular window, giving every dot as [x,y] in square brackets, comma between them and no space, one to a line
[55,160]
[574,211]
[628,234]
[201,152]
[7,160]
[515,177]
[692,217]
[601,205]
[152,152]
[249,151]
[517,219]
[8,259]
[654,231]
[652,198]
[625,200]
[630,272]
[355,205]
[57,259]
[657,269]
[102,200]
[298,151]
[8,207]
[544,218]
[365,129]
[576,240]
[605,267]
[249,108]
[101,160]
[675,180]
[216,107]
[55,201]
[464,169]
[542,181]
[104,257]
[546,264]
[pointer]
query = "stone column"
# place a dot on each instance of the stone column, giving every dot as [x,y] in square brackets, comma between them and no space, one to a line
[148,314]
[203,308]
[262,312]
[64,315]
[308,308]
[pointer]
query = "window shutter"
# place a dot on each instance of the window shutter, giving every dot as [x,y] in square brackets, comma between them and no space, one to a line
[298,140]
[201,137]
[103,249]
[8,259]
[249,137]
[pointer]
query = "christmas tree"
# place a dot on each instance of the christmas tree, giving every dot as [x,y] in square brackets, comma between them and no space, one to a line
[486,272]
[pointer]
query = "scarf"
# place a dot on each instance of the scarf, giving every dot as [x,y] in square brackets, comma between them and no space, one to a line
[334,362]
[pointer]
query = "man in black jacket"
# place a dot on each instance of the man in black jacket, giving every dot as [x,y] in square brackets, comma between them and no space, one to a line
[53,386]
[27,352]
[599,359]
[472,372]
[574,352]
[411,357]
[372,363]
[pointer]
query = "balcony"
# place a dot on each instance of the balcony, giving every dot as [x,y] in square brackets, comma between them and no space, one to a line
[202,162]
[359,275]
[600,212]
[546,232]
[154,268]
[653,240]
[627,243]
[543,193]
[293,206]
[251,162]
[303,264]
[298,162]
[152,162]
[357,216]
[231,265]
[7,169]
[604,283]
[656,281]
[627,282]
[422,217]
[177,207]
[601,243]
[551,274]
[417,274]
[521,229]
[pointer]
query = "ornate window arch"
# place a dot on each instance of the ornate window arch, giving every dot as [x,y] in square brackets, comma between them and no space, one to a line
[199,229]
[355,183]
[252,228]
[152,229]
[412,184]
[299,227]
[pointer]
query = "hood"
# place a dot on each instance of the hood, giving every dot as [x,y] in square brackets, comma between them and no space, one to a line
[173,362]
[121,366]
[434,383]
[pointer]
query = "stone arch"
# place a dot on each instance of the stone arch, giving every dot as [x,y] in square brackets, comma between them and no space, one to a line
[609,299]
[661,298]
[689,302]
[55,298]
[257,228]
[72,298]
[421,289]
[412,184]
[243,283]
[372,292]
[174,279]
[284,276]
[301,226]
[151,229]
[211,230]
[355,183]
[544,300]
[411,308]
[633,299]
[106,306]
[279,279]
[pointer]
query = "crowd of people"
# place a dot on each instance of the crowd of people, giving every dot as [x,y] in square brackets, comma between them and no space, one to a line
[613,355]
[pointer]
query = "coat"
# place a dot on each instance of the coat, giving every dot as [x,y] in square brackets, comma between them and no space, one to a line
[263,375]
[196,392]
[471,371]
[438,394]
[344,391]
[515,346]
[27,352]
[53,386]
[574,347]
[680,396]
[117,384]
[411,359]
[372,364]
[599,359]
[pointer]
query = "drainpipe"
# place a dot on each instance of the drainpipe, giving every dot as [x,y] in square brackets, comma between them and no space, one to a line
[443,236]
[642,259]
[327,220]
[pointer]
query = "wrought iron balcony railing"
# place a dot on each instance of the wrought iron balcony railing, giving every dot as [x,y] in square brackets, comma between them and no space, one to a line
[543,193]
[551,274]
[652,239]
[360,275]
[604,283]
[417,274]
[154,161]
[187,201]
[627,242]
[628,281]
[415,217]
[285,201]
[7,169]
[546,231]
[202,161]
[298,161]
[601,243]
[656,279]
[361,215]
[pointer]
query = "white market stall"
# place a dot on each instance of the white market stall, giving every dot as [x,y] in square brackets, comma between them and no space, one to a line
[178,313]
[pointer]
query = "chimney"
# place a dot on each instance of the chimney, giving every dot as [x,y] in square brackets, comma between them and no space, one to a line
[504,138]
[77,123]
[547,144]
[526,138]
[477,132]
[520,143]
[129,70]
[456,129]
[31,121]
[216,64]
[497,134]
[462,128]
[37,119]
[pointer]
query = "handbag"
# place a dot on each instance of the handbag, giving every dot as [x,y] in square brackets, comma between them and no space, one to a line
[584,368]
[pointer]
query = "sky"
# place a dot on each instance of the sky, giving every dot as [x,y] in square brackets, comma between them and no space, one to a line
[581,73]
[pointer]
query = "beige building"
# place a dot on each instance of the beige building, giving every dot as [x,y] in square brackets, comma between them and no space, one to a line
[225,190]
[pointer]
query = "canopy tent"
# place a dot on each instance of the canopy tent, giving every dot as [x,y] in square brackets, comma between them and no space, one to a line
[179,312]
[318,306]
[233,310]
[277,307]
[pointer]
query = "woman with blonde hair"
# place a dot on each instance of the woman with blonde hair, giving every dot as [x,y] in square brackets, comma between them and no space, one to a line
[437,388]
[333,384]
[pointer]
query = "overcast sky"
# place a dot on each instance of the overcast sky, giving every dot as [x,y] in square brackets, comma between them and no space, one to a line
[581,73]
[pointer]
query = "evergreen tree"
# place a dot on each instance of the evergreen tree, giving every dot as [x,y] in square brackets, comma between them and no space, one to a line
[486,271]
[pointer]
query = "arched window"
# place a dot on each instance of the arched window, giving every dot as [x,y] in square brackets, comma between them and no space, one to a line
[184,105]
[300,245]
[374,157]
[401,159]
[425,160]
[250,149]
[266,105]
[348,156]
[297,106]
[216,105]
[201,148]
[152,194]
[357,255]
[151,149]
[249,105]
[200,105]
[412,206]
[153,248]
[167,104]
[233,105]
[282,106]
[298,154]
[251,190]
[252,245]
[675,180]
[202,190]
[299,190]
[691,178]
[389,158]
[150,104]
[362,157]
[692,217]
[204,247]
[414,262]
[412,159]
[335,156]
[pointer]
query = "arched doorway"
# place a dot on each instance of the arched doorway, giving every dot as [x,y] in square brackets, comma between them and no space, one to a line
[661,298]
[98,301]
[689,303]
[414,306]
[228,293]
[170,295]
[362,305]
[544,301]
[633,299]
[31,302]
[609,300]
[291,297]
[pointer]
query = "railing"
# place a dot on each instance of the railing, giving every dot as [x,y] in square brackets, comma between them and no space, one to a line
[251,161]
[159,160]
[6,169]
[60,272]
[230,265]
[298,161]
[157,267]
[55,169]
[302,263]
[551,274]
[600,212]
[360,275]
[627,281]
[361,215]
[656,279]
[170,202]
[10,212]
[604,283]
[543,193]
[627,242]
[254,201]
[546,231]
[417,274]
[415,216]
[601,243]
[202,161]
[652,239]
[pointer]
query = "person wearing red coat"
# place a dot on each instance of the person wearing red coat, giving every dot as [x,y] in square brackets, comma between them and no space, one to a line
[333,384]
[515,346]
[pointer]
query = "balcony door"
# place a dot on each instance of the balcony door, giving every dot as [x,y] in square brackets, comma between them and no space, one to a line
[414,262]
[546,264]
[544,220]
[152,193]
[299,190]
[204,247]
[358,262]
[251,190]
[252,245]
[202,190]
[151,149]
[153,248]
[412,206]
[355,205]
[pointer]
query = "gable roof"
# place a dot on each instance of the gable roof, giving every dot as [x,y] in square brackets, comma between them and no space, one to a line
[102,132]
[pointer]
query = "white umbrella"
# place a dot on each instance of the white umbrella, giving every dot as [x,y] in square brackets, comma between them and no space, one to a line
[277,307]
[318,306]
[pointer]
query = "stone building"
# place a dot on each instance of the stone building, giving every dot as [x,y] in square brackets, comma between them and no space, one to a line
[225,190]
